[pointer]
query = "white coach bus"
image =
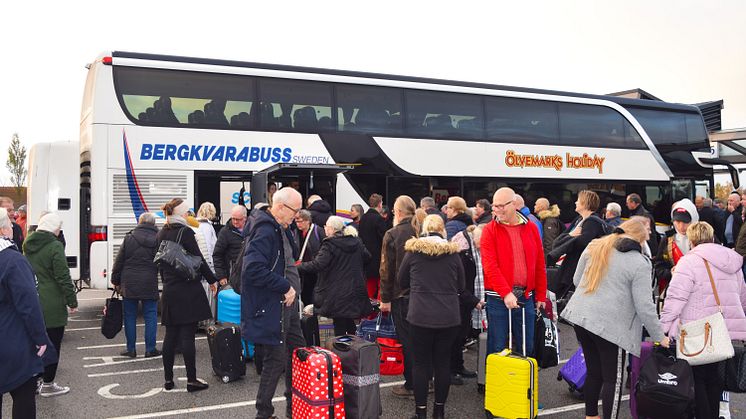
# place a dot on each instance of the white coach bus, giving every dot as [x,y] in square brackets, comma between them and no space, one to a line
[53,186]
[156,127]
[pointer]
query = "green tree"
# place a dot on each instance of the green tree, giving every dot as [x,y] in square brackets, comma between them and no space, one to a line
[16,163]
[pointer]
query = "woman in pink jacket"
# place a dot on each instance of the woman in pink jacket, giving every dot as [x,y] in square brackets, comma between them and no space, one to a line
[690,297]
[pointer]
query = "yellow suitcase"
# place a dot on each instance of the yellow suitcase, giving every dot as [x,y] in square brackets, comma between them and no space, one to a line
[512,381]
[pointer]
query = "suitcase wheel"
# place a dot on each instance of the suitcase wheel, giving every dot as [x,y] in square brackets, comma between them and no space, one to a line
[480,388]
[488,415]
[226,379]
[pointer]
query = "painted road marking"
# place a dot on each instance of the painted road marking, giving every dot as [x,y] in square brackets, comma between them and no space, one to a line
[109,374]
[118,345]
[218,406]
[109,361]
[93,328]
[571,407]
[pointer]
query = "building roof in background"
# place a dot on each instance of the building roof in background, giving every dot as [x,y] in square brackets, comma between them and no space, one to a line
[636,94]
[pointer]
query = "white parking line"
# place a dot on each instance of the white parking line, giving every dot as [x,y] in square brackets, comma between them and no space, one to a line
[103,364]
[109,374]
[118,345]
[92,299]
[93,328]
[218,406]
[569,408]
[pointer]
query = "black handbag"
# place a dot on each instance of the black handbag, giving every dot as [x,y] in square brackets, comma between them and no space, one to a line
[733,370]
[173,254]
[665,386]
[546,341]
[113,318]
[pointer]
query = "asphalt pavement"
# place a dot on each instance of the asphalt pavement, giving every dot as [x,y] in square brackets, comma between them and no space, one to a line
[106,385]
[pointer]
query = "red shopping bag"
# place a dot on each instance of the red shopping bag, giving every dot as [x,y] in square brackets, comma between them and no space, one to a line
[392,356]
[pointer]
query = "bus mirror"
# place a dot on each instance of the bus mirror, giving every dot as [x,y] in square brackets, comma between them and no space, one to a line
[734,178]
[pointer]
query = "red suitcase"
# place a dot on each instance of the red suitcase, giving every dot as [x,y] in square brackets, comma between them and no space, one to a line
[317,384]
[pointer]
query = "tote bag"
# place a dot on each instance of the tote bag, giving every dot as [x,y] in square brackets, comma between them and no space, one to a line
[113,318]
[705,341]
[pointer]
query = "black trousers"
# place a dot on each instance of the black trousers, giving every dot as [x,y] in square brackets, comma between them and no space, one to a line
[399,309]
[432,358]
[24,400]
[181,335]
[708,386]
[55,336]
[605,364]
[457,353]
[343,326]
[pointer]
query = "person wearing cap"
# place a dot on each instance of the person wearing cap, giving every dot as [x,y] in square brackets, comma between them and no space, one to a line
[676,244]
[56,289]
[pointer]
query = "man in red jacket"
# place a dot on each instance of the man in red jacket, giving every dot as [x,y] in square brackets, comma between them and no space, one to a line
[514,272]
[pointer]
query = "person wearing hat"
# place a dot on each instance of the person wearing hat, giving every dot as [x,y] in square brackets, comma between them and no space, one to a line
[56,290]
[676,244]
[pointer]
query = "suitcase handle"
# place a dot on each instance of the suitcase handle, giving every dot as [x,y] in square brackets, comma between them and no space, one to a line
[522,306]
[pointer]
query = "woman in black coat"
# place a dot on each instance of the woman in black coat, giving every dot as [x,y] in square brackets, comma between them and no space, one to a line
[340,288]
[183,301]
[433,273]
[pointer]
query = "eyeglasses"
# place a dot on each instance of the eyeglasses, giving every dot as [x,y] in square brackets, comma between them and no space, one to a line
[502,206]
[295,211]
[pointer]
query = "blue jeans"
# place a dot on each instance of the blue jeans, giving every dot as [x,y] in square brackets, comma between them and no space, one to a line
[149,313]
[497,332]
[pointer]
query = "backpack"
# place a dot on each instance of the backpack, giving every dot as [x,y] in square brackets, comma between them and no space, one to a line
[234,278]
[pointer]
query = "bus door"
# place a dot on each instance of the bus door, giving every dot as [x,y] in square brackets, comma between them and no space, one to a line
[224,189]
[308,179]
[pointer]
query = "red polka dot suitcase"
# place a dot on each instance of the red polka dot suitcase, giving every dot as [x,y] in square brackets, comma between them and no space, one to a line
[317,384]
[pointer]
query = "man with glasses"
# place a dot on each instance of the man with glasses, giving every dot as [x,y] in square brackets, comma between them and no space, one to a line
[514,272]
[228,244]
[8,204]
[269,307]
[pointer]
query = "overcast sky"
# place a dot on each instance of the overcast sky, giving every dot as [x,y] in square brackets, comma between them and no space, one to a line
[680,51]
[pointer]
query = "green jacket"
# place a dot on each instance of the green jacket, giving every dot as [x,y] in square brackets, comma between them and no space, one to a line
[56,289]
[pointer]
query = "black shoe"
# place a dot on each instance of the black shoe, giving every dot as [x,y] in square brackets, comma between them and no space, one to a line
[168,385]
[131,354]
[154,352]
[196,386]
[457,380]
[420,413]
[466,373]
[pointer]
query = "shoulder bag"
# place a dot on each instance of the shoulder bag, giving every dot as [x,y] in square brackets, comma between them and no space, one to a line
[111,323]
[705,341]
[173,254]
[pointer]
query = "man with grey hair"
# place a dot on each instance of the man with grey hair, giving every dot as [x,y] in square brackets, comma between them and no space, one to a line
[269,287]
[228,244]
[613,214]
[135,276]
[707,214]
[428,204]
[320,210]
[551,225]
[9,205]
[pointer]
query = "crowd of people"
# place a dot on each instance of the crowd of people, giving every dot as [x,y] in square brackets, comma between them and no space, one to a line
[444,275]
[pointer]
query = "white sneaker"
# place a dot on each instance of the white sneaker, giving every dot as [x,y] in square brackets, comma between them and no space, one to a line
[39,383]
[51,390]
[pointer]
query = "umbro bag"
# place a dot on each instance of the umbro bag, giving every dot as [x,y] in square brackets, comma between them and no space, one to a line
[665,387]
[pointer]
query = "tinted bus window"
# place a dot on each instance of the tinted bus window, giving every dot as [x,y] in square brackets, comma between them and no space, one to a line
[695,129]
[295,105]
[437,114]
[174,98]
[595,126]
[521,120]
[369,109]
[664,128]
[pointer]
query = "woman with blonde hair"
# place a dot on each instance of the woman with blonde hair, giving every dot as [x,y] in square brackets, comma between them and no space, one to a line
[608,309]
[394,296]
[206,214]
[434,275]
[340,291]
[458,219]
[691,296]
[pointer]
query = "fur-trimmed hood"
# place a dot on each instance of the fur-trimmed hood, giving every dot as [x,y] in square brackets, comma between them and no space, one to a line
[434,246]
[552,212]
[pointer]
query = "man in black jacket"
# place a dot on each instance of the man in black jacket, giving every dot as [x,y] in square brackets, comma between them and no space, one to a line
[228,244]
[635,207]
[135,276]
[320,210]
[483,212]
[371,231]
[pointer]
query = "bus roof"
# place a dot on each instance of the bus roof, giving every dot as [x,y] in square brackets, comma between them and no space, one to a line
[626,102]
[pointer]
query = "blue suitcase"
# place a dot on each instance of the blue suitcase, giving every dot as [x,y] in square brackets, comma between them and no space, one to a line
[229,311]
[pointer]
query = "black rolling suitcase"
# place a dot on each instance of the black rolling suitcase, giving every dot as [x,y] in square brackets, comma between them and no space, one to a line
[310,327]
[226,351]
[361,375]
